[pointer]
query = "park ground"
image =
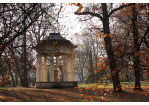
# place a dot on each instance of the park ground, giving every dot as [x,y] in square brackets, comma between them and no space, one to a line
[101,92]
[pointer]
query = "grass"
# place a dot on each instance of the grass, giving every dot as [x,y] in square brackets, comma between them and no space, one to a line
[110,84]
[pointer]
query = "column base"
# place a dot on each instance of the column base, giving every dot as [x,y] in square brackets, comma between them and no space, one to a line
[48,85]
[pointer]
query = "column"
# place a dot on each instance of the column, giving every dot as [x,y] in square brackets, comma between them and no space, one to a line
[51,68]
[71,68]
[57,66]
[40,68]
[68,68]
[65,75]
[45,69]
[37,69]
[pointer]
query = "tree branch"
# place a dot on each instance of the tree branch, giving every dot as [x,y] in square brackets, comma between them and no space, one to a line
[123,6]
[143,38]
[89,13]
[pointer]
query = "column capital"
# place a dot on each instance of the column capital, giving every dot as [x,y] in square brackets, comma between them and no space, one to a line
[44,55]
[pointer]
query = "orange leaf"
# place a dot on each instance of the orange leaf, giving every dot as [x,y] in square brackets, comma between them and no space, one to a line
[106,84]
[79,10]
[101,92]
[145,61]
[119,95]
[93,86]
[95,28]
[98,81]
[105,35]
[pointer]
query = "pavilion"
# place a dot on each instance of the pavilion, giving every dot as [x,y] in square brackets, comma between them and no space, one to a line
[54,46]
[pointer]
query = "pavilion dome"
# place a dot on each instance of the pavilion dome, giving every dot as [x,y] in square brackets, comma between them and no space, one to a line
[55,39]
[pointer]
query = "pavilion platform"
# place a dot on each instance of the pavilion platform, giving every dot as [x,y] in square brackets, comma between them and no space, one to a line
[48,85]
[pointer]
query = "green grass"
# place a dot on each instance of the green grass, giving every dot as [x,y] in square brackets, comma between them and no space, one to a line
[110,84]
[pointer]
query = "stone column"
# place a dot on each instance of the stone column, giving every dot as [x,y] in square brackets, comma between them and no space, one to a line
[71,68]
[65,75]
[45,69]
[68,68]
[57,66]
[40,68]
[51,68]
[37,69]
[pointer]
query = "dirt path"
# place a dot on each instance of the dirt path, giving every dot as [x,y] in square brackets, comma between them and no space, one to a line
[20,94]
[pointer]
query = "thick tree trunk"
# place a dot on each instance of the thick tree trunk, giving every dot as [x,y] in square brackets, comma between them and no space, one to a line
[25,80]
[136,55]
[110,53]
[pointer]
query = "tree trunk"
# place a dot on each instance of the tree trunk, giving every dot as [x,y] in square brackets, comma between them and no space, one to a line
[141,74]
[136,55]
[110,53]
[126,72]
[82,74]
[148,75]
[25,80]
[12,78]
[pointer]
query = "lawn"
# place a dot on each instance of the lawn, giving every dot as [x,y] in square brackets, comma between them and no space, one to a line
[84,93]
[110,84]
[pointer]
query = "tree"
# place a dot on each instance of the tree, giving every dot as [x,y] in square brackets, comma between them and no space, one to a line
[136,45]
[13,17]
[107,39]
[134,39]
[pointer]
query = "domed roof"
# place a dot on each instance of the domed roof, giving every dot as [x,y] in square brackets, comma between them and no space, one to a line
[54,36]
[55,39]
